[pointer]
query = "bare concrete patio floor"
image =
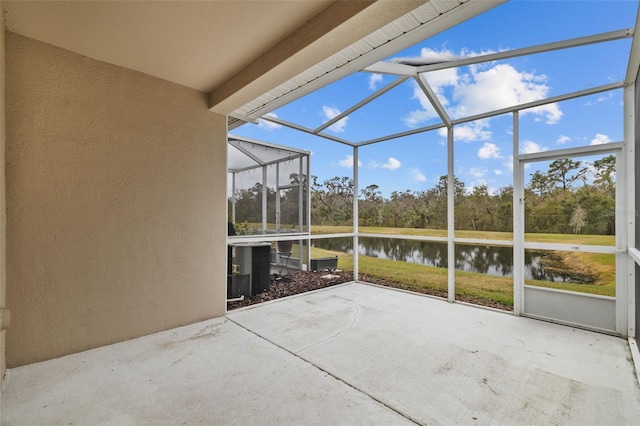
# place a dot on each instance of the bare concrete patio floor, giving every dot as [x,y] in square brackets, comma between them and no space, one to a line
[346,355]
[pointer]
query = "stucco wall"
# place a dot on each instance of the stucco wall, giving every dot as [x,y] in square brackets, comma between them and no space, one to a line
[116,218]
[3,234]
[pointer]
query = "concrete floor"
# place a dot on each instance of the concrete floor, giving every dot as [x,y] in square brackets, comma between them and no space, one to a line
[348,355]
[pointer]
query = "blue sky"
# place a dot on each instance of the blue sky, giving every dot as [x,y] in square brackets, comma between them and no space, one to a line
[483,149]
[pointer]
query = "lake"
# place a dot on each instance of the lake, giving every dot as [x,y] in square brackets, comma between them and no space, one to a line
[491,260]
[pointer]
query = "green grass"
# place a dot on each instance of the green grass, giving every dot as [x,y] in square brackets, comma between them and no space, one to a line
[475,286]
[429,279]
[603,240]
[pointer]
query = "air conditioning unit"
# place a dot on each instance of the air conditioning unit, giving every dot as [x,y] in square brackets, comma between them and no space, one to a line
[253,260]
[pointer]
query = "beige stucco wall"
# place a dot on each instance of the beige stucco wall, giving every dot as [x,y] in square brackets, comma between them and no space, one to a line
[3,235]
[116,218]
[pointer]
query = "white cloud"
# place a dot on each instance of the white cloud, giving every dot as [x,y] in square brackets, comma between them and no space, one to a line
[498,172]
[329,113]
[391,164]
[549,113]
[374,80]
[489,150]
[427,56]
[607,97]
[475,131]
[563,139]
[348,162]
[600,139]
[417,175]
[507,87]
[509,164]
[465,94]
[478,177]
[415,117]
[530,147]
[268,125]
[477,173]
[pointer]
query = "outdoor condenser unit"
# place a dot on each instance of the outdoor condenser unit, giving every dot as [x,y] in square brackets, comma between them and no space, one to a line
[253,260]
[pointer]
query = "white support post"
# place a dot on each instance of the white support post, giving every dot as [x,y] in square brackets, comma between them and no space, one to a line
[300,212]
[308,206]
[233,197]
[355,214]
[518,221]
[629,310]
[300,196]
[621,238]
[451,254]
[264,199]
[278,227]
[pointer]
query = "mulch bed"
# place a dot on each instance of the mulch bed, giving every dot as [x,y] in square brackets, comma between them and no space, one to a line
[301,282]
[294,283]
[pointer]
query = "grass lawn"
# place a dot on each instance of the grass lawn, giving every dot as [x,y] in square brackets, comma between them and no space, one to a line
[471,285]
[416,277]
[600,240]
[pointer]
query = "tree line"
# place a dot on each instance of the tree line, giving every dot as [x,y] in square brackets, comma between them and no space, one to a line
[560,200]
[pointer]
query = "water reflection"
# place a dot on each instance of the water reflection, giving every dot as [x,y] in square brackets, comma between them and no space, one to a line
[490,260]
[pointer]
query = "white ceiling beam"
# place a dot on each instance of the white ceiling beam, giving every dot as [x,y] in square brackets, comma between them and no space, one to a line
[336,27]
[403,134]
[392,68]
[460,14]
[559,98]
[305,130]
[634,57]
[444,116]
[489,114]
[565,44]
[244,118]
[581,151]
[433,98]
[361,104]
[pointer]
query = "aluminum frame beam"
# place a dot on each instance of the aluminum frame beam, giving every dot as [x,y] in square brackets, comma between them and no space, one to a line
[575,42]
[569,152]
[494,113]
[634,57]
[246,152]
[462,12]
[402,134]
[392,68]
[545,101]
[433,98]
[306,130]
[362,103]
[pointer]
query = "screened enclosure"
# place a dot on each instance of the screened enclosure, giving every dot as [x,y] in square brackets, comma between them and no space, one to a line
[269,188]
[490,175]
[268,200]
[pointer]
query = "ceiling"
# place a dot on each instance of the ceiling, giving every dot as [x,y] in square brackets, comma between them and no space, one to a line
[415,25]
[233,50]
[249,56]
[196,44]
